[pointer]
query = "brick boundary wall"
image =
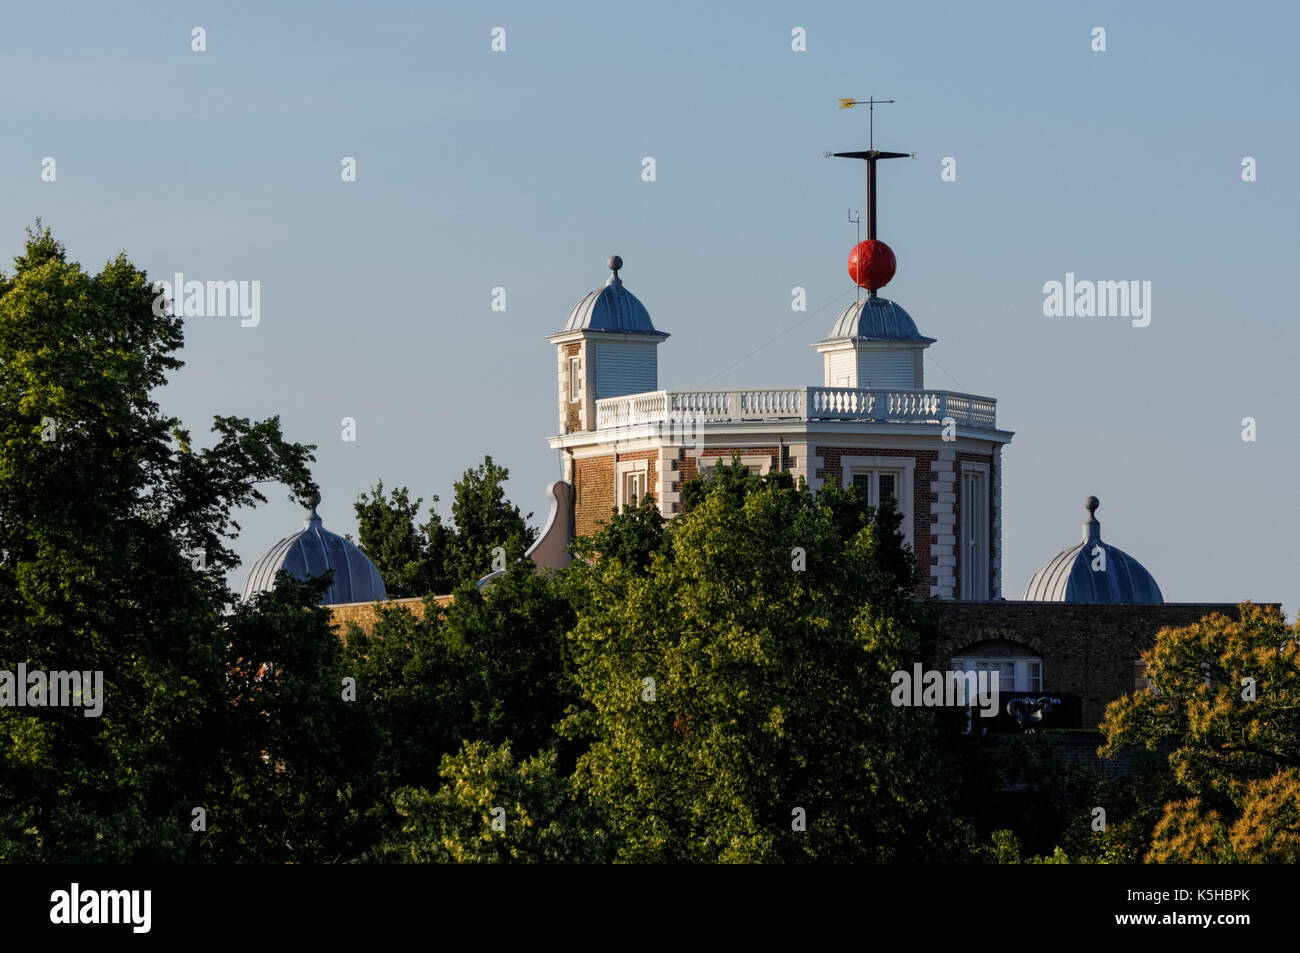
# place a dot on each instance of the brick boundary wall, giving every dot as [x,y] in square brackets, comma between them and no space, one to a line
[1088,650]
[365,616]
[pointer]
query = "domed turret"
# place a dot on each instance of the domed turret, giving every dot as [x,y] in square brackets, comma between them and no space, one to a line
[608,348]
[874,343]
[1093,571]
[611,308]
[309,553]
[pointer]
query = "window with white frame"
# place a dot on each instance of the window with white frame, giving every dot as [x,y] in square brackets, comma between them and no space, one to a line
[975,581]
[878,485]
[575,378]
[1014,674]
[633,487]
[1142,677]
[632,482]
[881,478]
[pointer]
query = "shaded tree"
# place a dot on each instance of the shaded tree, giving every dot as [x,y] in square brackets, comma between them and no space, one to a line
[412,561]
[113,552]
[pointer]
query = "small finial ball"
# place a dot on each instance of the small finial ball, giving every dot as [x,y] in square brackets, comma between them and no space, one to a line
[872,264]
[1091,504]
[614,263]
[314,500]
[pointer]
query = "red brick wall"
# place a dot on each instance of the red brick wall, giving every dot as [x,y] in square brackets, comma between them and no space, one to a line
[686,469]
[726,453]
[922,497]
[593,482]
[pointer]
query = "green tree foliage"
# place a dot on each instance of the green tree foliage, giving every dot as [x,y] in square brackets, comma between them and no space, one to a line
[490,666]
[632,537]
[435,558]
[771,686]
[1235,762]
[493,809]
[113,532]
[413,561]
[294,779]
[485,519]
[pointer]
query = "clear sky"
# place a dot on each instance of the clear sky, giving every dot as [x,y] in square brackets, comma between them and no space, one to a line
[522,169]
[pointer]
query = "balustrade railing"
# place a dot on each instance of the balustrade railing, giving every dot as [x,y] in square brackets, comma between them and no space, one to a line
[796,403]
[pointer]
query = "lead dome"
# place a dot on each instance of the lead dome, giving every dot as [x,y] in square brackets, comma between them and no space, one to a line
[1093,571]
[611,308]
[311,552]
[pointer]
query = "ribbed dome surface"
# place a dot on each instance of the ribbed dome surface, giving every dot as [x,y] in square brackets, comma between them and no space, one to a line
[312,551]
[876,319]
[611,308]
[1070,576]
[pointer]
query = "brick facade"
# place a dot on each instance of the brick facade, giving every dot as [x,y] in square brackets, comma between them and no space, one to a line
[595,486]
[924,496]
[1088,650]
[363,613]
[935,500]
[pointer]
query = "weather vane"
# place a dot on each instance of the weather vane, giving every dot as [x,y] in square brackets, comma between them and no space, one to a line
[872,263]
[871,156]
[871,121]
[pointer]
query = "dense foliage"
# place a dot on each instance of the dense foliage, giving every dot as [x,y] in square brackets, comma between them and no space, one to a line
[714,688]
[434,557]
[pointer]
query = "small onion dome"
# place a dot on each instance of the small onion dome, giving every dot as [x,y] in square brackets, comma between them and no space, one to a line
[611,308]
[1093,571]
[309,553]
[876,319]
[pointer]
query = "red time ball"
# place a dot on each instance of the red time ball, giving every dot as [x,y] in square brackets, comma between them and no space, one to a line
[871,264]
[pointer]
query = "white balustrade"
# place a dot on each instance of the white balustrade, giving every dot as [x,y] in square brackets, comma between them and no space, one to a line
[796,403]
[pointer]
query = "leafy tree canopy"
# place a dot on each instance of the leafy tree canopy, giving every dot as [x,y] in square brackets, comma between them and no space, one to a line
[1226,700]
[434,558]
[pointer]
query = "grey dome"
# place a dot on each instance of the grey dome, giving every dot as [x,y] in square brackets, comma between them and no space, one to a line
[611,308]
[309,553]
[1069,577]
[876,319]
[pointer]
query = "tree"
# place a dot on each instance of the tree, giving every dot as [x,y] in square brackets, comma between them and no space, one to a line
[295,780]
[413,562]
[1226,699]
[435,558]
[489,666]
[496,810]
[485,519]
[113,533]
[740,689]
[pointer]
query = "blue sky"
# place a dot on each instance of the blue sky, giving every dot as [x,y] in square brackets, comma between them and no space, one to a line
[522,169]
